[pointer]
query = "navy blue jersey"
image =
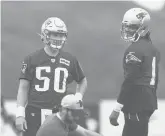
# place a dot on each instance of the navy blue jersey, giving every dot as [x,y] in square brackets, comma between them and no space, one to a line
[49,77]
[140,63]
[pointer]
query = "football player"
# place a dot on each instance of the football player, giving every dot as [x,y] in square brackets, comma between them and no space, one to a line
[62,122]
[137,98]
[44,77]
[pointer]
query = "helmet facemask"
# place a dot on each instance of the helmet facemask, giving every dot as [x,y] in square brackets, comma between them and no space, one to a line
[130,32]
[55,40]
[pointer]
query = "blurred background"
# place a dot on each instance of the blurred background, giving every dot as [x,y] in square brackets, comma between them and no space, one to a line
[94,38]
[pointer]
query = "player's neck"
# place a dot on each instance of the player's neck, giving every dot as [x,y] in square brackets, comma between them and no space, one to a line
[51,52]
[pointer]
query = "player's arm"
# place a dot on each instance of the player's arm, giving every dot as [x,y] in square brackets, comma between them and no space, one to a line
[24,86]
[80,78]
[22,95]
[84,132]
[81,88]
[22,100]
[80,131]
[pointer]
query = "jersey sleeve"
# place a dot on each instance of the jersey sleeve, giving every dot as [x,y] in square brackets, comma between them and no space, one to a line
[77,71]
[26,69]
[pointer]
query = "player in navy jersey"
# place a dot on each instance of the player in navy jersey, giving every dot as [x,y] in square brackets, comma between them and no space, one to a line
[137,98]
[44,77]
[62,122]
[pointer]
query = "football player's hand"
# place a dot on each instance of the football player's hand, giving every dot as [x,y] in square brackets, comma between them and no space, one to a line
[21,123]
[114,117]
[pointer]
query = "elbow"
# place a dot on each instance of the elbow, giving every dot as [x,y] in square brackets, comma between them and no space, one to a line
[82,86]
[85,81]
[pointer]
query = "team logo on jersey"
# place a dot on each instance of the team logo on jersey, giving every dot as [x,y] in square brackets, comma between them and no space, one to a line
[64,61]
[53,60]
[130,57]
[24,66]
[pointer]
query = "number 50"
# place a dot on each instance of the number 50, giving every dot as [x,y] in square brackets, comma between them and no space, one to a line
[59,79]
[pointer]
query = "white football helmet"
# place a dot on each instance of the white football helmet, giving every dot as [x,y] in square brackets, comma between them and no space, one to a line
[54,32]
[135,24]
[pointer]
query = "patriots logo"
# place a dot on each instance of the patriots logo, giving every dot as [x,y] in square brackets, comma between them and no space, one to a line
[47,23]
[130,57]
[24,66]
[141,15]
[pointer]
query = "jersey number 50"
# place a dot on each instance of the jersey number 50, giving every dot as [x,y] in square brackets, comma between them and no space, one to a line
[60,77]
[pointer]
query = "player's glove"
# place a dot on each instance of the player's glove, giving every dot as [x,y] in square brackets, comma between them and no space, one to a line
[114,117]
[115,114]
